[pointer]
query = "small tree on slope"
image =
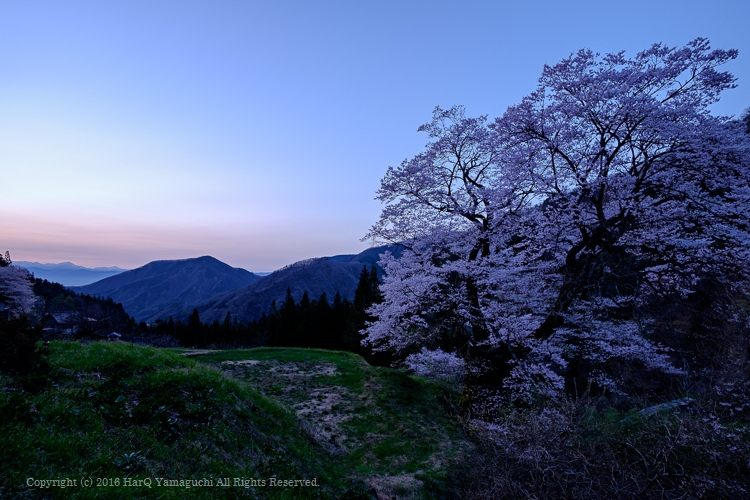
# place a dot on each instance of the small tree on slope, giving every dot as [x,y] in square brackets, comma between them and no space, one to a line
[16,289]
[535,243]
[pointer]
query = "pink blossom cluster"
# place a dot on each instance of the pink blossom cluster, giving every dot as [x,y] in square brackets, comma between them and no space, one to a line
[16,290]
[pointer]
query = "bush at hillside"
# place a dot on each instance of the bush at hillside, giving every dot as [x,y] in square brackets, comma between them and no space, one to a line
[21,354]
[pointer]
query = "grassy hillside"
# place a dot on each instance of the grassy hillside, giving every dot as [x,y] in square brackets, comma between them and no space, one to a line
[382,424]
[130,413]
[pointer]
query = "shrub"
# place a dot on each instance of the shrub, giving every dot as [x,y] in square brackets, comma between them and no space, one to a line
[571,449]
[20,351]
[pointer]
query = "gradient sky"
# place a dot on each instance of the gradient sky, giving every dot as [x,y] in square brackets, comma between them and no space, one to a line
[257,132]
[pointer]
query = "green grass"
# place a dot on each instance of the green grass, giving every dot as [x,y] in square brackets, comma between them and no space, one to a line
[120,411]
[382,421]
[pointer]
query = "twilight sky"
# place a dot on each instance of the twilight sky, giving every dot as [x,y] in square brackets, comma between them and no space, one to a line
[257,132]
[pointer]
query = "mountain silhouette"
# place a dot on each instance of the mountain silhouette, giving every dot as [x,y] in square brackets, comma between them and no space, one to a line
[334,274]
[149,289]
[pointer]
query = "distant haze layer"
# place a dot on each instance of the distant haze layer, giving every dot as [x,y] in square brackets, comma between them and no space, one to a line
[69,274]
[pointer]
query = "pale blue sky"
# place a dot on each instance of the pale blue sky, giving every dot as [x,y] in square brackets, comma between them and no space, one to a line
[257,132]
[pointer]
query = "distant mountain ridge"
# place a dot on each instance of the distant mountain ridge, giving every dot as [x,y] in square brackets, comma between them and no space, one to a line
[162,284]
[69,274]
[339,273]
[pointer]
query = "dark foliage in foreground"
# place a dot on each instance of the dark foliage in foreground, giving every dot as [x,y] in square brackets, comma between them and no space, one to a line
[20,353]
[571,449]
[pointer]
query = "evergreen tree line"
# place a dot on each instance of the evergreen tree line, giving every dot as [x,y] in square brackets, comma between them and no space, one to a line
[311,323]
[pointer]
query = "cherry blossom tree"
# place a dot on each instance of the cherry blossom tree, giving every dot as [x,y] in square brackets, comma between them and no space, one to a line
[16,289]
[536,242]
